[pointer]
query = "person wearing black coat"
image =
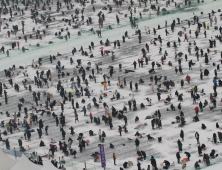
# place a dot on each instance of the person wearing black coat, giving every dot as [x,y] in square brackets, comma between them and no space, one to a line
[153,123]
[215,138]
[130,104]
[144,154]
[80,147]
[203,126]
[7,143]
[131,86]
[199,150]
[36,100]
[179,145]
[136,86]
[73,103]
[138,165]
[20,143]
[41,143]
[201,106]
[111,125]
[57,120]
[120,130]
[159,114]
[39,132]
[217,125]
[212,153]
[28,135]
[63,134]
[83,144]
[188,155]
[182,134]
[167,164]
[72,130]
[178,157]
[153,162]
[137,143]
[123,39]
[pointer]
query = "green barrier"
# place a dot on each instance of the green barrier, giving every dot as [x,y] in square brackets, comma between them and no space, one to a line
[60,37]
[50,42]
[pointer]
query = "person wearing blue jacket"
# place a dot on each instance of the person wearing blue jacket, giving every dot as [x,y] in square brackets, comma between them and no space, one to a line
[84,110]
[215,81]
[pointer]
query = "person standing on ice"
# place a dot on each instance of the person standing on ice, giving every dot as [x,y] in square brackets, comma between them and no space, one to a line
[117,19]
[131,86]
[137,143]
[134,63]
[114,158]
[100,134]
[182,134]
[153,162]
[120,130]
[179,145]
[138,165]
[197,137]
[178,157]
[136,86]
[118,43]
[196,110]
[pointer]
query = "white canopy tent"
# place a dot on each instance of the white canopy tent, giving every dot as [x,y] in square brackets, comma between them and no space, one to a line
[25,164]
[6,162]
[48,166]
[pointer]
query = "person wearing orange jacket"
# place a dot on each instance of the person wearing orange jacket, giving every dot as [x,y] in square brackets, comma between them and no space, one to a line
[104,84]
[114,158]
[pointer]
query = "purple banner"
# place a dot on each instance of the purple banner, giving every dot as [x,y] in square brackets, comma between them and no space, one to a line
[102,156]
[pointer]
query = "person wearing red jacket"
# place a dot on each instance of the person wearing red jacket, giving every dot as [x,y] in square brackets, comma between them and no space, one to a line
[8,34]
[197,110]
[91,117]
[188,79]
[139,62]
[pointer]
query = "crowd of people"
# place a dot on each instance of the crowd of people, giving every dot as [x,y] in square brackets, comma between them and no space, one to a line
[77,93]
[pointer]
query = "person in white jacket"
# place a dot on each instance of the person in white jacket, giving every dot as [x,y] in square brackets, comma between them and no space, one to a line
[100,134]
[201,67]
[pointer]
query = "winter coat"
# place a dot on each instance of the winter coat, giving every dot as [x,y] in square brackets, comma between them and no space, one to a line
[188,78]
[114,156]
[138,165]
[91,117]
[180,146]
[137,142]
[182,134]
[207,160]
[196,109]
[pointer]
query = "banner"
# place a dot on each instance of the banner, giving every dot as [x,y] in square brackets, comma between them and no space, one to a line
[102,156]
